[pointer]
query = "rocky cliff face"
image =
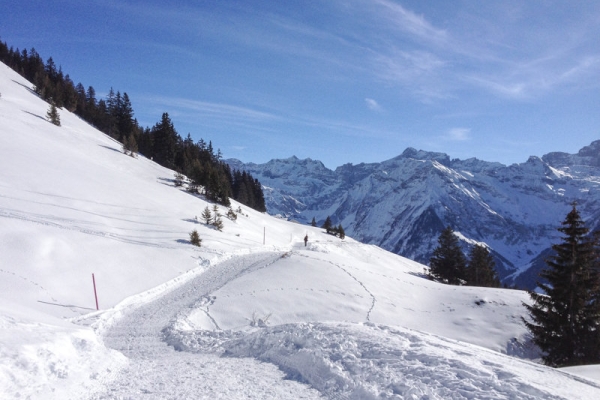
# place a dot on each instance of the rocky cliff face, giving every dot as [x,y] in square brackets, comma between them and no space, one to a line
[402,204]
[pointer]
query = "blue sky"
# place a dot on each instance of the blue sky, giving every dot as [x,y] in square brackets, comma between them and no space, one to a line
[338,80]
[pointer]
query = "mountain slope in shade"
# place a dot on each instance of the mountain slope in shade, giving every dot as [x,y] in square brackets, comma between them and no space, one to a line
[402,204]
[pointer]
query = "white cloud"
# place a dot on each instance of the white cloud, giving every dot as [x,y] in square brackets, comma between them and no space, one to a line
[458,134]
[412,23]
[372,104]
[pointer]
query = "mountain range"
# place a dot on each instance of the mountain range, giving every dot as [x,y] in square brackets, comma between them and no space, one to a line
[402,204]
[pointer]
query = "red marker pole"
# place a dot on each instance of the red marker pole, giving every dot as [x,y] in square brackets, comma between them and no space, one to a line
[95,294]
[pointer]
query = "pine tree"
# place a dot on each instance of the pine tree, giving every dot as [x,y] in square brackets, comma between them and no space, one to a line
[124,117]
[52,115]
[217,222]
[481,270]
[565,320]
[195,238]
[341,232]
[448,261]
[313,222]
[165,142]
[207,215]
[327,225]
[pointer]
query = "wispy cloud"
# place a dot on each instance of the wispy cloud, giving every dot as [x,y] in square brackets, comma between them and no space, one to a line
[411,23]
[435,63]
[372,104]
[214,110]
[586,66]
[533,79]
[458,134]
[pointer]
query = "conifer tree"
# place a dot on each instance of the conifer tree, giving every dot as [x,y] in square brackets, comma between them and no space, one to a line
[216,212]
[52,115]
[565,320]
[207,215]
[313,222]
[195,238]
[165,141]
[327,225]
[481,270]
[217,222]
[341,232]
[448,261]
[124,117]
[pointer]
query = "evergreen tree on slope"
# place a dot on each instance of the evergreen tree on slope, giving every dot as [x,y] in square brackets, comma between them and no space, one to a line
[448,261]
[52,115]
[481,269]
[165,141]
[328,224]
[565,320]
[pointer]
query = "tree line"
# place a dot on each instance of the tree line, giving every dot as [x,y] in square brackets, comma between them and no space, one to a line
[564,315]
[115,117]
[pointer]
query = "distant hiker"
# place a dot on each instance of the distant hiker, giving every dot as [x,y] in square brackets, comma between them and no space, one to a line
[305,240]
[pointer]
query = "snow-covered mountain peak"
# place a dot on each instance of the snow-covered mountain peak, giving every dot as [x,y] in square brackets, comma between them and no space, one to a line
[403,203]
[411,152]
[588,156]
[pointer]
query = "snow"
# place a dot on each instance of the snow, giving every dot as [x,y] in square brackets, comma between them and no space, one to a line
[233,319]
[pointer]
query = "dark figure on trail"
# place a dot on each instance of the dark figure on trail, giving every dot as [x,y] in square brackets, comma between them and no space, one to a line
[305,240]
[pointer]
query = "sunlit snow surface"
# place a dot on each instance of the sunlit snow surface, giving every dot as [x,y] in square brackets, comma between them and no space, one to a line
[234,319]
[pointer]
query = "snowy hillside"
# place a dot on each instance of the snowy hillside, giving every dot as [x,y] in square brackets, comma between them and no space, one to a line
[404,203]
[253,313]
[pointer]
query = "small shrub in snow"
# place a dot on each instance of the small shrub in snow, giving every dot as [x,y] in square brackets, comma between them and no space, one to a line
[231,214]
[193,187]
[260,322]
[195,238]
[130,145]
[179,179]
[218,222]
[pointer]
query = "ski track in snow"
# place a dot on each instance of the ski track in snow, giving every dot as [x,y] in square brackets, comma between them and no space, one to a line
[373,299]
[140,335]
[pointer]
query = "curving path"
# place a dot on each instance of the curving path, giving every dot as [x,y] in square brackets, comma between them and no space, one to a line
[157,371]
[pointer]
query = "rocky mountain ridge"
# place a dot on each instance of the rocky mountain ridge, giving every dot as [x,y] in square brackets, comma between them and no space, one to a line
[403,203]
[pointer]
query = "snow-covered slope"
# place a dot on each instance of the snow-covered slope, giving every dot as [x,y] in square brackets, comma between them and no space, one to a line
[403,204]
[253,313]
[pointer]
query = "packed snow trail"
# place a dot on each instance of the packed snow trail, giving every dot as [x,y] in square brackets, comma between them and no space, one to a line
[157,371]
